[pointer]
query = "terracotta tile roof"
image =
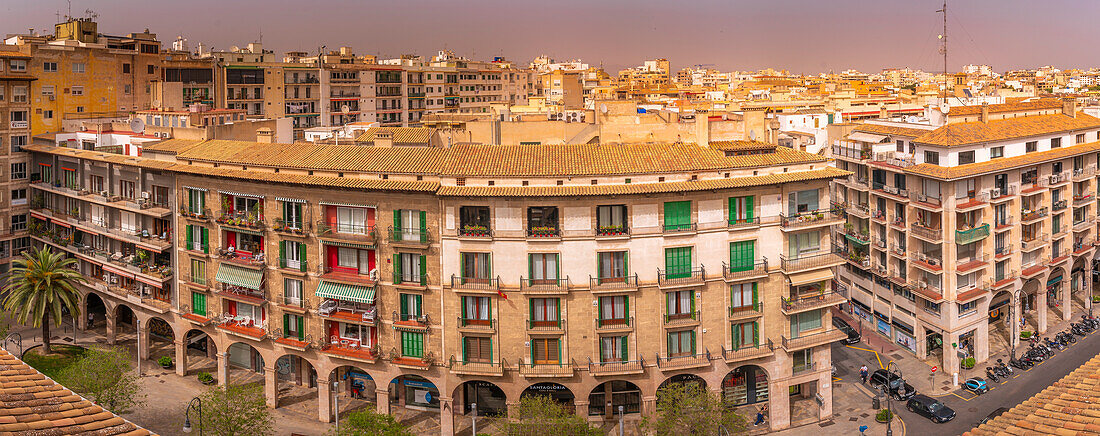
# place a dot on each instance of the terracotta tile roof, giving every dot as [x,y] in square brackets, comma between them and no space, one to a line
[100,156]
[298,179]
[1017,106]
[976,132]
[742,145]
[401,135]
[994,165]
[171,145]
[410,160]
[32,404]
[1070,406]
[14,55]
[641,188]
[880,129]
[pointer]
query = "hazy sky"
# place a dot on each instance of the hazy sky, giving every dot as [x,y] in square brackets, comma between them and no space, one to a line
[802,36]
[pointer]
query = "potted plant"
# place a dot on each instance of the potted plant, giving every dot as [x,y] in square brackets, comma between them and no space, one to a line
[1025,335]
[165,362]
[967,363]
[884,415]
[848,227]
[205,378]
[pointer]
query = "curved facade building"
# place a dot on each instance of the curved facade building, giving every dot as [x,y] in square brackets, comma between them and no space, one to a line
[432,279]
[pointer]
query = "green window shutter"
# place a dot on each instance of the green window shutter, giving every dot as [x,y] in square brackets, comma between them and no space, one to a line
[396,268]
[189,245]
[668,259]
[282,251]
[625,350]
[419,304]
[302,257]
[301,328]
[748,208]
[755,334]
[732,209]
[600,273]
[423,270]
[463,301]
[557,266]
[626,262]
[286,325]
[668,344]
[205,240]
[202,202]
[599,308]
[490,349]
[404,304]
[737,336]
[489,258]
[693,342]
[557,307]
[423,226]
[558,342]
[668,301]
[626,308]
[530,267]
[465,357]
[531,308]
[755,297]
[691,302]
[397,224]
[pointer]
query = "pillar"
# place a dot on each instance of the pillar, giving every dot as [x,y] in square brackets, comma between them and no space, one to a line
[110,329]
[921,338]
[513,409]
[779,406]
[271,386]
[143,340]
[211,348]
[649,406]
[446,416]
[181,357]
[981,343]
[1067,297]
[580,407]
[324,401]
[1014,321]
[825,390]
[302,373]
[382,400]
[1041,307]
[82,320]
[223,368]
[950,354]
[1088,288]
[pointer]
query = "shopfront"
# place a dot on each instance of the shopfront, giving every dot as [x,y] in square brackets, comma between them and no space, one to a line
[557,392]
[882,324]
[903,335]
[745,385]
[1054,290]
[488,397]
[416,392]
[860,310]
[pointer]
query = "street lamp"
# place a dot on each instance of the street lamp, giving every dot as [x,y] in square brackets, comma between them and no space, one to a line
[892,368]
[196,403]
[473,420]
[620,420]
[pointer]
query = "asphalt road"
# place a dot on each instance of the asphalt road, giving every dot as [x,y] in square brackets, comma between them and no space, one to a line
[970,408]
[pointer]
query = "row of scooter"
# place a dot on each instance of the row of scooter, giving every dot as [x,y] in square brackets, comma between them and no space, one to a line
[1040,349]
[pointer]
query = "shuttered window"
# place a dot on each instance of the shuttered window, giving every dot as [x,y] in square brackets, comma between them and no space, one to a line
[678,262]
[741,210]
[477,349]
[546,351]
[677,215]
[742,255]
[412,344]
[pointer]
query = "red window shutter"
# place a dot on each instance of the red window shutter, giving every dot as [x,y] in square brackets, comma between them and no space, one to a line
[233,308]
[231,239]
[330,215]
[371,259]
[370,217]
[229,199]
[330,251]
[333,329]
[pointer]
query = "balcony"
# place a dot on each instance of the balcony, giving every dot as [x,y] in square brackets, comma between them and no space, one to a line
[745,271]
[674,363]
[296,228]
[860,210]
[143,207]
[1058,179]
[411,321]
[673,229]
[857,183]
[933,235]
[681,319]
[748,352]
[238,293]
[1004,279]
[1059,256]
[810,261]
[967,265]
[544,286]
[678,277]
[242,326]
[600,369]
[291,342]
[19,124]
[613,284]
[614,324]
[544,233]
[352,351]
[1080,174]
[413,238]
[1034,268]
[1082,200]
[878,215]
[475,232]
[1084,224]
[897,194]
[1002,251]
[812,340]
[852,153]
[898,251]
[347,311]
[815,218]
[476,324]
[346,232]
[546,326]
[929,291]
[805,303]
[929,203]
[546,370]
[1082,247]
[973,235]
[879,243]
[475,284]
[1032,242]
[1059,205]
[1033,187]
[997,195]
[859,261]
[1002,224]
[746,312]
[201,216]
[861,237]
[350,277]
[293,264]
[488,369]
[612,231]
[241,221]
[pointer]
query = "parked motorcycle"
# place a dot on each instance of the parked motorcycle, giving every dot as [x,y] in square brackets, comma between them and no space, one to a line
[1020,364]
[989,372]
[1005,368]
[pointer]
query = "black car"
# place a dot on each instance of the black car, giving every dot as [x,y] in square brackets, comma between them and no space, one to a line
[853,334]
[998,412]
[899,389]
[930,408]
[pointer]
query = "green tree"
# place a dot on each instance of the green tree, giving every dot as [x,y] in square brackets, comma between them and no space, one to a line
[541,415]
[105,376]
[40,285]
[236,410]
[370,423]
[688,408]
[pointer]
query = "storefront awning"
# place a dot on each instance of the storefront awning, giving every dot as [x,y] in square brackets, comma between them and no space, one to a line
[346,292]
[811,277]
[239,276]
[866,137]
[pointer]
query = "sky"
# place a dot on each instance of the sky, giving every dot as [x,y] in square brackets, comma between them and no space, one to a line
[799,36]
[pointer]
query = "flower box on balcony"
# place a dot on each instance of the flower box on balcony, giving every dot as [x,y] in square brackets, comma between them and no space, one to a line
[543,232]
[611,231]
[474,230]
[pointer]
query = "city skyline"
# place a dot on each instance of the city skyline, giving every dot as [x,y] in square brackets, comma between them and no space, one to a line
[805,43]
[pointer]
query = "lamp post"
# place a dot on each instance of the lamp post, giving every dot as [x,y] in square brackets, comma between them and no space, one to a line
[620,420]
[473,419]
[336,403]
[892,368]
[196,403]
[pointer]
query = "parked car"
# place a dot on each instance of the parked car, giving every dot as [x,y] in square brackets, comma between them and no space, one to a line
[995,413]
[930,408]
[976,385]
[853,334]
[899,389]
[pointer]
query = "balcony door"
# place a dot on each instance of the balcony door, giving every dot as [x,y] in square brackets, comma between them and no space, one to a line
[543,268]
[546,351]
[804,322]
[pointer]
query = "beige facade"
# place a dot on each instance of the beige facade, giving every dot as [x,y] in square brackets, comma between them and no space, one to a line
[15,132]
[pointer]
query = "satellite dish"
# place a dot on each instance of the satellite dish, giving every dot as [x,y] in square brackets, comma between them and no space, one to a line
[945,108]
[345,109]
[752,135]
[603,108]
[137,125]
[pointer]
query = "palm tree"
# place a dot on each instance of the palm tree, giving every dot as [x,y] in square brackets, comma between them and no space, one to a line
[39,285]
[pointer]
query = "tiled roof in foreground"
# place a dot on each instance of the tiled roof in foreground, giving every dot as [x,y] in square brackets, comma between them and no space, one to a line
[969,170]
[31,404]
[882,129]
[1070,406]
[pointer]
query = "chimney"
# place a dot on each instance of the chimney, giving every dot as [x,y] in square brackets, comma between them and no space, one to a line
[984,117]
[882,112]
[1069,107]
[265,135]
[702,128]
[383,138]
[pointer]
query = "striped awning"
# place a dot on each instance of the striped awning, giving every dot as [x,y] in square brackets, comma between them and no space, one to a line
[195,189]
[238,194]
[290,200]
[118,271]
[246,231]
[329,203]
[345,292]
[347,244]
[40,216]
[239,276]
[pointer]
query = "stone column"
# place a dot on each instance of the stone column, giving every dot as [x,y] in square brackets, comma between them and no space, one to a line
[211,348]
[981,342]
[82,320]
[446,416]
[1041,307]
[1067,298]
[825,389]
[1014,321]
[920,338]
[950,354]
[302,373]
[181,357]
[324,401]
[1088,288]
[142,345]
[580,407]
[779,406]
[110,329]
[649,406]
[513,409]
[382,400]
[223,368]
[271,386]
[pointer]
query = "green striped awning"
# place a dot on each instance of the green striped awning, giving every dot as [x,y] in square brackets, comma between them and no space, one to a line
[346,292]
[347,244]
[239,276]
[246,231]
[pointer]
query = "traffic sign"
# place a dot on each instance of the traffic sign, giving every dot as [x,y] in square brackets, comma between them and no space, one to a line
[934,368]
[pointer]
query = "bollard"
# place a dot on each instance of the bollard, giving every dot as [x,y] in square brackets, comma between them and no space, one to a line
[875,403]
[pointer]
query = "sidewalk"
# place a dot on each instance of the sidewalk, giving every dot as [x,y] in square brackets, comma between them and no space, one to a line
[851,409]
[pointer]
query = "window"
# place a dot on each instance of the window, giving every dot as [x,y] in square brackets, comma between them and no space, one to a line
[1055,142]
[802,360]
[741,210]
[196,200]
[997,152]
[19,94]
[128,189]
[351,220]
[18,222]
[77,91]
[967,308]
[354,259]
[410,225]
[47,90]
[805,321]
[477,349]
[47,114]
[802,202]
[543,268]
[1031,146]
[742,255]
[966,157]
[931,307]
[546,351]
[198,304]
[19,170]
[804,243]
[1080,138]
[18,65]
[545,312]
[476,266]
[410,306]
[410,268]
[613,310]
[610,220]
[293,326]
[412,344]
[677,215]
[746,335]
[932,157]
[78,67]
[80,109]
[542,220]
[681,343]
[18,197]
[680,304]
[743,296]
[150,69]
[475,311]
[49,67]
[678,262]
[198,272]
[292,292]
[612,266]
[613,349]
[292,254]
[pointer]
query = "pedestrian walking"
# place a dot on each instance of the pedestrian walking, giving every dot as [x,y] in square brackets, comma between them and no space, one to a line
[760,416]
[863,374]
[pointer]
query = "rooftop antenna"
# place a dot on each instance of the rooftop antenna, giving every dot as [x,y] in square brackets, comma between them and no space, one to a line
[943,48]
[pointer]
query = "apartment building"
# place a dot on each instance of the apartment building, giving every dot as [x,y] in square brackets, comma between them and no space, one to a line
[463,275]
[954,230]
[15,132]
[83,74]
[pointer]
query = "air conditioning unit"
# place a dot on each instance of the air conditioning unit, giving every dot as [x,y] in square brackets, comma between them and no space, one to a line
[145,195]
[996,192]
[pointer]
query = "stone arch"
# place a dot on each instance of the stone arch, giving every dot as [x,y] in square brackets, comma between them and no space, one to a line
[605,399]
[414,390]
[159,336]
[746,384]
[490,398]
[95,311]
[244,363]
[198,351]
[684,378]
[558,392]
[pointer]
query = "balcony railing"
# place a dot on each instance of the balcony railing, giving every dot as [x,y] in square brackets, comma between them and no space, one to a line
[748,311]
[678,228]
[414,235]
[537,232]
[681,276]
[475,283]
[976,234]
[475,231]
[670,363]
[345,230]
[546,325]
[928,233]
[1081,200]
[817,300]
[555,369]
[672,319]
[470,367]
[614,323]
[613,283]
[297,264]
[812,340]
[1059,178]
[1057,206]
[747,352]
[892,190]
[289,227]
[612,230]
[1032,242]
[476,323]
[544,285]
[926,201]
[810,218]
[744,270]
[1083,173]
[996,194]
[249,220]
[616,367]
[810,261]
